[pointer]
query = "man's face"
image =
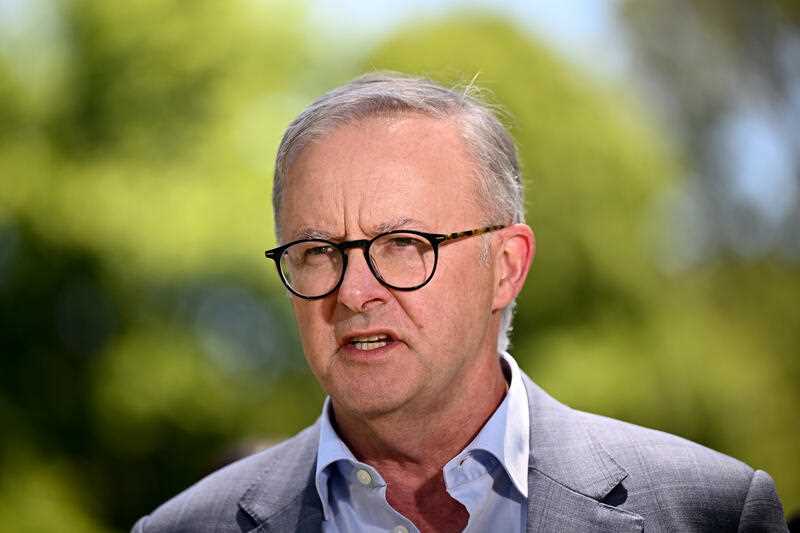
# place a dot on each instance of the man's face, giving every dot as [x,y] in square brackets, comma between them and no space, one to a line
[365,178]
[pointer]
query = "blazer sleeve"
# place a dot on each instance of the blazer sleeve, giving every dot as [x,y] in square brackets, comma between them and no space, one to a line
[762,509]
[138,527]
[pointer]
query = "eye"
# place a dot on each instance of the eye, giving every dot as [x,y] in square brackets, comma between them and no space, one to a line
[402,242]
[319,250]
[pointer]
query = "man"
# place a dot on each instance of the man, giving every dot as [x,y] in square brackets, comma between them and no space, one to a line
[399,206]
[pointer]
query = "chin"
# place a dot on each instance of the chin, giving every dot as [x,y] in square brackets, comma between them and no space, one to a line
[372,401]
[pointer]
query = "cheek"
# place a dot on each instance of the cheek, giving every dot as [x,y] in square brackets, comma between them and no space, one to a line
[472,293]
[455,301]
[316,334]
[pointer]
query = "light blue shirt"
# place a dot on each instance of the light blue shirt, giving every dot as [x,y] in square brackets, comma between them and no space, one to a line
[489,477]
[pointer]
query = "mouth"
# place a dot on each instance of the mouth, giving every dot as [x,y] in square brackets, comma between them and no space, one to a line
[371,342]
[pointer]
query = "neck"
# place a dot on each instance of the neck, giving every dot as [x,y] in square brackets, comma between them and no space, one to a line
[410,446]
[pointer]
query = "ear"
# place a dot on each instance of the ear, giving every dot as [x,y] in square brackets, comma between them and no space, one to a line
[512,262]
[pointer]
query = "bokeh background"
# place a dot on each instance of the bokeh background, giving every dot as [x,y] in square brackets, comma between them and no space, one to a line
[145,340]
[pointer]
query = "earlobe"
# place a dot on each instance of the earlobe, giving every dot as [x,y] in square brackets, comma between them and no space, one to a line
[512,263]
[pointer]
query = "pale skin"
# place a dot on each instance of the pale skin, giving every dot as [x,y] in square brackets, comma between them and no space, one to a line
[408,408]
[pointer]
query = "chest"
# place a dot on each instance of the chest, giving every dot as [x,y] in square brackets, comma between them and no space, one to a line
[431,508]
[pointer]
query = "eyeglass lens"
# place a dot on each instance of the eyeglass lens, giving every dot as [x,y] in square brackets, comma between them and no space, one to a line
[401,260]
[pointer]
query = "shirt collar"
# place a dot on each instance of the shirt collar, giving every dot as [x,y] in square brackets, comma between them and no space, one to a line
[330,450]
[506,435]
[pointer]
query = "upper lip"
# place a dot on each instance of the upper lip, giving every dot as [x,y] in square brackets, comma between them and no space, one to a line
[361,334]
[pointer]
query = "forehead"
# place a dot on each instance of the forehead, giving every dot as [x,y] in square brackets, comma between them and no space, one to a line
[366,174]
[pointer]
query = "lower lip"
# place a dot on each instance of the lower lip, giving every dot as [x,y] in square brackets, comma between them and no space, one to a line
[369,356]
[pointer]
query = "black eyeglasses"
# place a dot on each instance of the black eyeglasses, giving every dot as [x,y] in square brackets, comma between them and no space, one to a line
[404,260]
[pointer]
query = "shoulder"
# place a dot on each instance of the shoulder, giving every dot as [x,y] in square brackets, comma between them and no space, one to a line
[670,481]
[648,455]
[663,458]
[219,501]
[661,454]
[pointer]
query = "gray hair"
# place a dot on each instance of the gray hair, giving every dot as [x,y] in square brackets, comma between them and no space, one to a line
[498,177]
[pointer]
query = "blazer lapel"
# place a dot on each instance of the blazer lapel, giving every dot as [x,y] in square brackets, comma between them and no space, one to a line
[572,480]
[285,497]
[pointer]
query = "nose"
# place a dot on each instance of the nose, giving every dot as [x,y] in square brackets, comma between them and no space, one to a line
[360,289]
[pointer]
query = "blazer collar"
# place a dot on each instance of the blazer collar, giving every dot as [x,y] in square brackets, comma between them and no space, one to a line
[564,448]
[284,497]
[571,476]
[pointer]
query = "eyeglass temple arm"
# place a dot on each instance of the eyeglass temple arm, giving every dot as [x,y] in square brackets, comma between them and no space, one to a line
[468,233]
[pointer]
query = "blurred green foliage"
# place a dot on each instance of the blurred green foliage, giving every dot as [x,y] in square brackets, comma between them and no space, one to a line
[144,338]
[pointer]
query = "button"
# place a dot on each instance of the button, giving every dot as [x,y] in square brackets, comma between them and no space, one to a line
[363,477]
[400,529]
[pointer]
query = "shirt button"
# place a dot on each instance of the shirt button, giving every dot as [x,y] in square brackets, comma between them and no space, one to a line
[363,477]
[400,529]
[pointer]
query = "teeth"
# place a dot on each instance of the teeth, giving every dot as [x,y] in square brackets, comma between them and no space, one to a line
[370,343]
[369,339]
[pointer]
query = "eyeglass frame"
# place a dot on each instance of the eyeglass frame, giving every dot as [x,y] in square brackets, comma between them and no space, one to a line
[435,239]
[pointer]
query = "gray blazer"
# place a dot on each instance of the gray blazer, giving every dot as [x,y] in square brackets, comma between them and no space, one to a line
[586,473]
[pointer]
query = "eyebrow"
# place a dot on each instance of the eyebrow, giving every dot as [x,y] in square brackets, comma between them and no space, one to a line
[312,233]
[309,232]
[398,223]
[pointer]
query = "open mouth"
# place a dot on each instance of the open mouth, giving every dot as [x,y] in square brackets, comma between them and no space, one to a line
[372,342]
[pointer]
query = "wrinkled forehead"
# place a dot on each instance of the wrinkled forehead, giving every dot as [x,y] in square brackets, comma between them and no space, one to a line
[369,175]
